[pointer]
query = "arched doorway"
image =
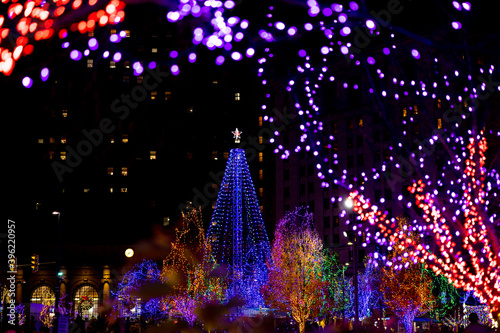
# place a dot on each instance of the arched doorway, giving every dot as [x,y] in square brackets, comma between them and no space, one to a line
[86,301]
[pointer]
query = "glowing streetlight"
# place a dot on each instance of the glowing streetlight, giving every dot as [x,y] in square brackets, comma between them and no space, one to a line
[129,253]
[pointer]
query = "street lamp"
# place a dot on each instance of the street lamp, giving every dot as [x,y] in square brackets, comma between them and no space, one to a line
[59,275]
[349,204]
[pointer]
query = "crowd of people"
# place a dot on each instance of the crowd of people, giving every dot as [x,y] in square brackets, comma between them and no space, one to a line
[109,324]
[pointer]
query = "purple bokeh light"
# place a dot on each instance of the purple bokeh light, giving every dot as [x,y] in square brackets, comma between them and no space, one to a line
[93,44]
[27,82]
[75,55]
[44,74]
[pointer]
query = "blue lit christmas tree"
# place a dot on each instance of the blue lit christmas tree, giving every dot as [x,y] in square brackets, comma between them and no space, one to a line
[237,234]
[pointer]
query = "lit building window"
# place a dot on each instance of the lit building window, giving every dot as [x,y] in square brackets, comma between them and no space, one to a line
[51,155]
[40,140]
[86,302]
[63,139]
[90,63]
[112,31]
[111,139]
[86,190]
[190,109]
[125,138]
[405,112]
[214,155]
[261,121]
[64,113]
[90,33]
[127,32]
[123,190]
[237,96]
[415,109]
[43,295]
[152,155]
[226,155]
[110,190]
[110,171]
[52,140]
[124,171]
[63,155]
[439,105]
[261,140]
[126,64]
[215,82]
[112,64]
[167,95]
[261,174]
[439,123]
[154,50]
[140,78]
[360,122]
[261,191]
[153,94]
[261,156]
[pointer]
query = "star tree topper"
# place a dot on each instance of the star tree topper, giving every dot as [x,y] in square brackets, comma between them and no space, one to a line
[236,135]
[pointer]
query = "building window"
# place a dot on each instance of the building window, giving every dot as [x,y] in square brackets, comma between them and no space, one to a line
[439,123]
[261,174]
[439,105]
[40,140]
[125,138]
[237,96]
[226,155]
[63,156]
[167,95]
[261,191]
[261,121]
[189,156]
[90,33]
[43,295]
[63,139]
[86,190]
[350,123]
[153,94]
[190,109]
[123,190]
[86,302]
[154,50]
[152,155]
[261,156]
[214,155]
[64,113]
[127,32]
[124,171]
[327,240]
[90,63]
[112,64]
[261,140]
[326,222]
[140,78]
[110,190]
[405,112]
[360,122]
[415,109]
[126,64]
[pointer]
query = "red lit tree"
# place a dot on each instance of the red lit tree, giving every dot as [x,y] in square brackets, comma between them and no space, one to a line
[463,240]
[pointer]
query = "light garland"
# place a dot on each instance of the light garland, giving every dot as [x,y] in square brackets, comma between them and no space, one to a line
[237,234]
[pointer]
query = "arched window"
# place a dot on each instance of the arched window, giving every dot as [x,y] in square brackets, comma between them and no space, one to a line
[43,295]
[86,301]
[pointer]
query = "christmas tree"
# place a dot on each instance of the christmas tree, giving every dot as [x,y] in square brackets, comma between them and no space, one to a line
[237,234]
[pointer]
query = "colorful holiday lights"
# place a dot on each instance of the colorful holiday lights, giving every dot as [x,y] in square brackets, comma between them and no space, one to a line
[462,249]
[237,233]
